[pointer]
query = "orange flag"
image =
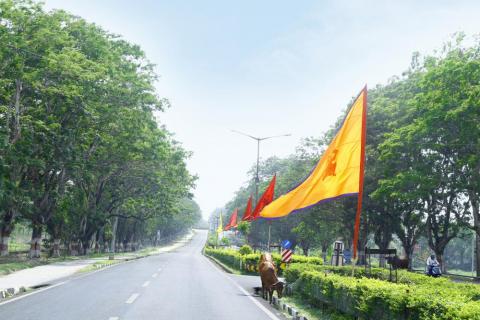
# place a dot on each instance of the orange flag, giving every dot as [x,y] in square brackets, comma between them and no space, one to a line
[339,172]
[247,216]
[265,199]
[233,220]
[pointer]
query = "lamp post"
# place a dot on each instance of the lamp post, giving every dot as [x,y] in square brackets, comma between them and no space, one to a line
[257,179]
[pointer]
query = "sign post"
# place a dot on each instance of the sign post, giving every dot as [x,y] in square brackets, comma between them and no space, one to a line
[286,252]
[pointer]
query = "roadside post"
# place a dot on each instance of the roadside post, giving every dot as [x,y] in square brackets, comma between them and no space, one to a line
[286,254]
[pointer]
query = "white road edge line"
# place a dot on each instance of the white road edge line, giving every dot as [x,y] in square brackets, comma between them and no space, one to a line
[258,304]
[113,318]
[32,293]
[154,275]
[132,298]
[145,284]
[63,282]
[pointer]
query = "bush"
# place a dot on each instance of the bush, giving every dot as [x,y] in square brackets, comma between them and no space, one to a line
[225,241]
[229,257]
[249,262]
[404,276]
[427,298]
[245,249]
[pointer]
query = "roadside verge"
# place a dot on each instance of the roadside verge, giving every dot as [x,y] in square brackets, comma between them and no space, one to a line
[19,282]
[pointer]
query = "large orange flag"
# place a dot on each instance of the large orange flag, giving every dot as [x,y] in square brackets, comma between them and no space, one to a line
[265,199]
[233,221]
[338,173]
[247,216]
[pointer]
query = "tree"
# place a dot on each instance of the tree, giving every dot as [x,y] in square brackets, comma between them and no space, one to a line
[82,156]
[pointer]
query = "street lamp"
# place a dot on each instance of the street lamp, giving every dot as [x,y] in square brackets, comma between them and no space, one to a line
[258,139]
[257,179]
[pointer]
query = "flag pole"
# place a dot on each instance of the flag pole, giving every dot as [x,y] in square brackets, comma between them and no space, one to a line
[269,229]
[361,178]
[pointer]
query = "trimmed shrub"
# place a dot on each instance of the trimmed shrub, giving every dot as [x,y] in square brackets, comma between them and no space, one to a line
[245,249]
[249,262]
[377,299]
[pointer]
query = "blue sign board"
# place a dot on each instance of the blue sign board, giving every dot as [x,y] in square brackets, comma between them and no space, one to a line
[347,255]
[286,244]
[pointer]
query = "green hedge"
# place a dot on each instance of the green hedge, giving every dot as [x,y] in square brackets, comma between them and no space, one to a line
[377,299]
[415,296]
[404,276]
[249,262]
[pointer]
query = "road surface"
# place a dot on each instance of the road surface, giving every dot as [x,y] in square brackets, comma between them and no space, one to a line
[182,284]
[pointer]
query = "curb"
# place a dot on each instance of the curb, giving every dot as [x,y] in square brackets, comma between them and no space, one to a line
[10,292]
[218,263]
[277,303]
[280,305]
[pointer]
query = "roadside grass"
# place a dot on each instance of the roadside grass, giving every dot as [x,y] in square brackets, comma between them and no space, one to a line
[311,312]
[18,261]
[98,265]
[12,266]
[459,272]
[18,246]
[15,263]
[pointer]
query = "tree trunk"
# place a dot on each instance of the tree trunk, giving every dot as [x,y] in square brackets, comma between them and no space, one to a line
[35,243]
[56,248]
[86,246]
[476,227]
[477,254]
[439,257]
[114,235]
[409,253]
[73,248]
[305,250]
[4,244]
[5,231]
[324,252]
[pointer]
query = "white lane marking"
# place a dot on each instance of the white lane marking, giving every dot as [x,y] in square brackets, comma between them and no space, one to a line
[32,293]
[132,298]
[113,318]
[258,304]
[159,269]
[145,284]
[154,275]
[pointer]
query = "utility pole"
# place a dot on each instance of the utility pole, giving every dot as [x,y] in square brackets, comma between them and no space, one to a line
[257,178]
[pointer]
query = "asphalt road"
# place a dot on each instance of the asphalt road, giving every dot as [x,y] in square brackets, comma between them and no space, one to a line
[178,285]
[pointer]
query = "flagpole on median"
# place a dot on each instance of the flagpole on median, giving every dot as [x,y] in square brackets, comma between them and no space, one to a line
[361,178]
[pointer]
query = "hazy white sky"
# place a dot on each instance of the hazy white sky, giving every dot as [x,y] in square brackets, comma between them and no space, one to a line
[268,67]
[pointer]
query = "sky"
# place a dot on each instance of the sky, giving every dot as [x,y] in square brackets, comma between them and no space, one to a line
[268,67]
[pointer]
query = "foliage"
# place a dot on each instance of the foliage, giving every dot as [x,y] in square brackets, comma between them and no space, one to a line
[377,299]
[244,228]
[82,156]
[422,163]
[245,249]
[249,262]
[225,241]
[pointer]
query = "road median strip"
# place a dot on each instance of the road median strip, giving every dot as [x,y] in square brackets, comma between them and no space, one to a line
[277,303]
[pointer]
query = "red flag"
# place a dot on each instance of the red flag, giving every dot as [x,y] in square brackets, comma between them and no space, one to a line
[266,198]
[247,216]
[233,221]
